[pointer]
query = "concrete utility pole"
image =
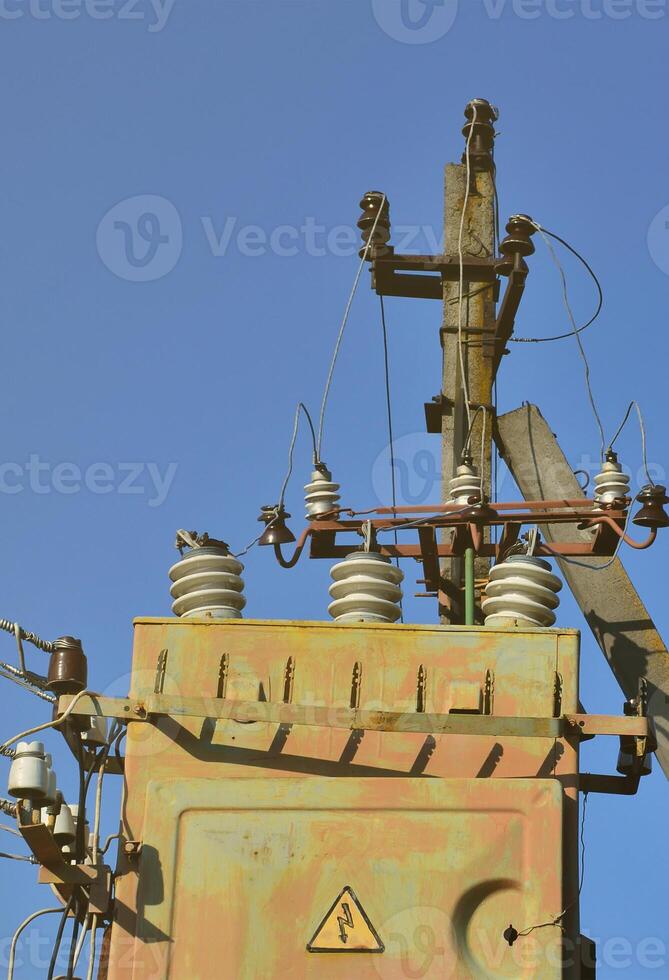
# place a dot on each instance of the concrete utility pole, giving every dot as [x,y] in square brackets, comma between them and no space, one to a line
[478,320]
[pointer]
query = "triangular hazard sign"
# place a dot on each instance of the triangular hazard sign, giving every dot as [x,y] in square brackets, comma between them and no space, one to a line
[346,928]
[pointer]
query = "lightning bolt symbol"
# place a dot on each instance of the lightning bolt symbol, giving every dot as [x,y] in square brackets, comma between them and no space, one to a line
[344,921]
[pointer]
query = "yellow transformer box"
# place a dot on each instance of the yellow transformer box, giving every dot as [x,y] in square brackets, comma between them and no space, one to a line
[348,801]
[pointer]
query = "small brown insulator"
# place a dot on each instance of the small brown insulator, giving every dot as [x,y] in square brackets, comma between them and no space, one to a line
[653,499]
[68,667]
[375,215]
[479,133]
[518,242]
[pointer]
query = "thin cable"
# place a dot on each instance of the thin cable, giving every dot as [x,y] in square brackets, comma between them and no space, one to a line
[15,938]
[600,301]
[91,955]
[59,936]
[19,857]
[49,724]
[82,940]
[642,426]
[11,830]
[8,808]
[585,564]
[391,441]
[110,840]
[9,673]
[575,331]
[342,328]
[557,921]
[461,262]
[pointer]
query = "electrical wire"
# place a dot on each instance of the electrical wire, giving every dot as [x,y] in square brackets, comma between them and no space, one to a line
[557,921]
[17,934]
[11,830]
[575,331]
[49,724]
[300,408]
[585,564]
[9,673]
[461,356]
[600,300]
[642,426]
[19,857]
[11,627]
[91,955]
[59,936]
[340,335]
[391,440]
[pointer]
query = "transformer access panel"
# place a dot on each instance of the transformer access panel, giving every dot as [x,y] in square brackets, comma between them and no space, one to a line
[272,850]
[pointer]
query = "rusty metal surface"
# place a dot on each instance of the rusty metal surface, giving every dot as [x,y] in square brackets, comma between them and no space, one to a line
[612,607]
[259,862]
[255,774]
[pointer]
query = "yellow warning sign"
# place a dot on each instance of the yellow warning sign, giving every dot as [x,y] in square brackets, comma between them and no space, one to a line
[346,928]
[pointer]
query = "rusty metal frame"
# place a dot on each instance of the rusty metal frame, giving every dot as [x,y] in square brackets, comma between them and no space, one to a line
[354,719]
[608,524]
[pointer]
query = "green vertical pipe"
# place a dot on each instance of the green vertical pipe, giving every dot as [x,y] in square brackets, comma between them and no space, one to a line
[469,587]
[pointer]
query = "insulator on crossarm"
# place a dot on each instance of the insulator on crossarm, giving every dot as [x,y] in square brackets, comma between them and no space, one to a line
[466,484]
[375,215]
[611,483]
[29,773]
[366,589]
[523,588]
[207,581]
[320,496]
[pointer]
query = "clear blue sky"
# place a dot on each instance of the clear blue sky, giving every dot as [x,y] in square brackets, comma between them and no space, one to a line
[273,114]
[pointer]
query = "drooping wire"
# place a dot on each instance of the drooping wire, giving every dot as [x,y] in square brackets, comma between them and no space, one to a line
[49,724]
[575,331]
[391,442]
[461,277]
[600,298]
[17,934]
[340,335]
[642,427]
[557,921]
[585,564]
[300,408]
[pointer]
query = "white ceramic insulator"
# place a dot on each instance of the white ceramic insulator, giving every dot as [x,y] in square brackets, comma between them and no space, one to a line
[522,587]
[97,733]
[29,775]
[207,582]
[366,589]
[465,484]
[64,830]
[320,496]
[611,483]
